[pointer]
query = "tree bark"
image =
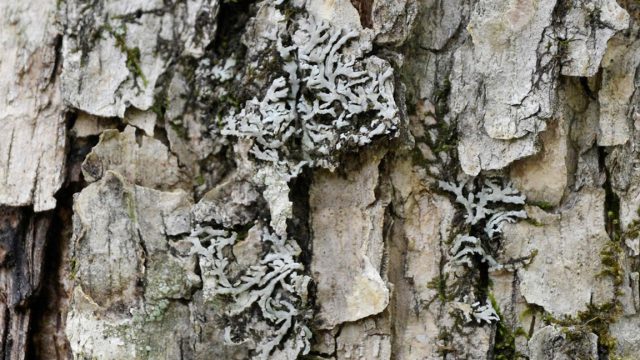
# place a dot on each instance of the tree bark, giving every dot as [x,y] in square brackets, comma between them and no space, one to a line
[364,179]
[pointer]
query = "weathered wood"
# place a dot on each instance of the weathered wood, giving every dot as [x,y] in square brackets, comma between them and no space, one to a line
[344,179]
[23,236]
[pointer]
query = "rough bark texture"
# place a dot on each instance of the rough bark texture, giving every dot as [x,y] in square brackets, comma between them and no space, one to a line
[320,179]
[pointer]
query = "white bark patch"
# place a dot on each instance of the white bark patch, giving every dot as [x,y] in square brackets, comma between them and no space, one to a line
[504,82]
[118,64]
[564,276]
[618,71]
[148,164]
[346,222]
[504,70]
[588,27]
[32,121]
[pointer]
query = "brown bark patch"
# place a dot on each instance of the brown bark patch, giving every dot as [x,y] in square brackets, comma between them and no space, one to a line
[364,8]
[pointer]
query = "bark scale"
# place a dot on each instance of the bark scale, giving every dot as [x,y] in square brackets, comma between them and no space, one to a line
[409,179]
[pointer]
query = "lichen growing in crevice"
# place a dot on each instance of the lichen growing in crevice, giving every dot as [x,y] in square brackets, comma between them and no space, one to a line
[330,100]
[486,206]
[266,301]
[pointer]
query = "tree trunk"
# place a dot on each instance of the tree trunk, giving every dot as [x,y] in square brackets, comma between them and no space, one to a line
[347,179]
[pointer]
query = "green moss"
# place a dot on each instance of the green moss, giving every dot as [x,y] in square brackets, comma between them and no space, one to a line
[544,205]
[531,310]
[200,180]
[563,45]
[132,54]
[160,105]
[439,283]
[230,100]
[84,356]
[73,268]
[131,207]
[610,258]
[179,129]
[595,319]
[616,357]
[530,258]
[504,347]
[633,229]
[444,340]
[534,222]
[441,97]
[419,159]
[572,334]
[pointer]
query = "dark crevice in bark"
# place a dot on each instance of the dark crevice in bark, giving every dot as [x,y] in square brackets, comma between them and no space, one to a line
[397,252]
[383,194]
[6,341]
[365,10]
[611,203]
[47,339]
[612,224]
[49,307]
[584,83]
[298,226]
[141,283]
[232,18]
[22,239]
[57,62]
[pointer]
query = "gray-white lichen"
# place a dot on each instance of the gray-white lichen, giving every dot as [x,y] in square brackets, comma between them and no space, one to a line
[476,204]
[486,208]
[332,98]
[465,247]
[275,286]
[477,311]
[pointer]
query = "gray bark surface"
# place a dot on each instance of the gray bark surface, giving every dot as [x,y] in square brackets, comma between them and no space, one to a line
[319,179]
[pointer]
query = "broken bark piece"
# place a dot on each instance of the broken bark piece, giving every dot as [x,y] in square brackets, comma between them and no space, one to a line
[114,61]
[147,163]
[564,277]
[346,222]
[127,285]
[32,116]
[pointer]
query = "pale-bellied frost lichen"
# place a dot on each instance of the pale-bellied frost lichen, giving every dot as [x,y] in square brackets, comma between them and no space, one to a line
[322,97]
[331,99]
[477,204]
[487,209]
[476,311]
[274,287]
[488,202]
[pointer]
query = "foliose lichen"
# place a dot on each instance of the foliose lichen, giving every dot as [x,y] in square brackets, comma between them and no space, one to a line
[274,289]
[487,207]
[330,99]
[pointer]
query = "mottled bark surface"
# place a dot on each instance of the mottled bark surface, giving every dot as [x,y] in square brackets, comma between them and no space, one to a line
[311,179]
